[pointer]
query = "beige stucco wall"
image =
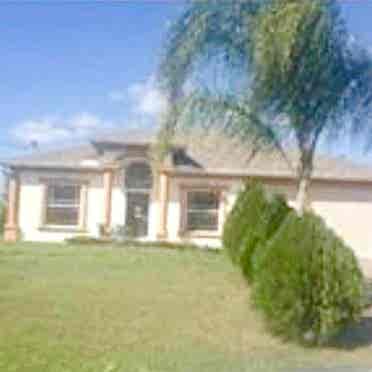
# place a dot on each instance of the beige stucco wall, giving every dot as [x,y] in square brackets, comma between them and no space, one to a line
[229,187]
[119,207]
[31,202]
[346,207]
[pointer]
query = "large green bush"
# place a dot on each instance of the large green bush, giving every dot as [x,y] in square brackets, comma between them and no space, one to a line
[307,281]
[255,217]
[236,224]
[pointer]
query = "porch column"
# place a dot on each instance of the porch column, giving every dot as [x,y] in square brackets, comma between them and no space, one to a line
[108,177]
[163,205]
[11,228]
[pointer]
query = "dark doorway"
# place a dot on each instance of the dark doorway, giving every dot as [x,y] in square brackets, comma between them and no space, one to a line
[138,214]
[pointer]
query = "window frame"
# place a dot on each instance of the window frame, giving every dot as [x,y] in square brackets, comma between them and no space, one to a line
[129,190]
[132,163]
[82,205]
[208,233]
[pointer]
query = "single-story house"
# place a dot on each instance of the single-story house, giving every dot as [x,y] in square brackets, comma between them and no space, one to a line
[110,183]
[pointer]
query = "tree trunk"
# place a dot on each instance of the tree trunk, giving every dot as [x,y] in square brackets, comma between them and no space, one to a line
[303,202]
[305,169]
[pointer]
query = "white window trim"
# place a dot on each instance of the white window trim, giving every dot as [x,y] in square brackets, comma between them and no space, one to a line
[82,206]
[185,189]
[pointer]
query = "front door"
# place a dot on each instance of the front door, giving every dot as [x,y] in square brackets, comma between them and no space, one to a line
[137,214]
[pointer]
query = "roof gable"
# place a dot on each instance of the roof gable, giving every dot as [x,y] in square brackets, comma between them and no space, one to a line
[195,153]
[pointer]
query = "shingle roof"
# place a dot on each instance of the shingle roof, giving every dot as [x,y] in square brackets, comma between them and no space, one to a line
[195,154]
[87,155]
[68,157]
[215,154]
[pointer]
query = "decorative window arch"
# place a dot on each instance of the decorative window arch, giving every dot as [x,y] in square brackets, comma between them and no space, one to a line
[138,176]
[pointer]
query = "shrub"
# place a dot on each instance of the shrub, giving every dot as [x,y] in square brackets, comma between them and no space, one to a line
[268,221]
[181,246]
[255,217]
[86,240]
[123,232]
[307,281]
[243,214]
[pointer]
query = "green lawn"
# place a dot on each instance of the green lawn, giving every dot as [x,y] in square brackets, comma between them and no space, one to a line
[109,309]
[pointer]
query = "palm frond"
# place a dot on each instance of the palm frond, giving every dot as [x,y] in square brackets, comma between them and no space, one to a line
[231,117]
[204,29]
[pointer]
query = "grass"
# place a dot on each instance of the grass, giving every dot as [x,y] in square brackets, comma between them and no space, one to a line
[107,309]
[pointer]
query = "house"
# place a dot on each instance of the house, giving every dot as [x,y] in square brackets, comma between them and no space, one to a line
[109,183]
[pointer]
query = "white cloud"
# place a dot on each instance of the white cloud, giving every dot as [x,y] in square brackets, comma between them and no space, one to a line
[144,98]
[153,102]
[54,129]
[42,131]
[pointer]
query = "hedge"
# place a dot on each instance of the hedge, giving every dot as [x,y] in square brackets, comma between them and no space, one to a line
[254,219]
[307,281]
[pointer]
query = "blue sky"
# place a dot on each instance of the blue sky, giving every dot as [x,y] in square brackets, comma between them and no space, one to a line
[69,70]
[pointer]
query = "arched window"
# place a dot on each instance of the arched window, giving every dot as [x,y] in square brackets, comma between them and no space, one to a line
[138,184]
[138,176]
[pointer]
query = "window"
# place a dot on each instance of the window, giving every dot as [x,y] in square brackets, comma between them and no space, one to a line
[138,176]
[138,185]
[63,205]
[202,210]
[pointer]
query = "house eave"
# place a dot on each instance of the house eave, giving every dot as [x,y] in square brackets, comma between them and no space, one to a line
[202,173]
[284,176]
[51,167]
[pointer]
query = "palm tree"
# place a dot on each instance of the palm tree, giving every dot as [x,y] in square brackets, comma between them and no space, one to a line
[298,75]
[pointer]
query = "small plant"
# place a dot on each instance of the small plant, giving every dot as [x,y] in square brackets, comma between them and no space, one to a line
[122,233]
[86,240]
[101,230]
[307,281]
[165,245]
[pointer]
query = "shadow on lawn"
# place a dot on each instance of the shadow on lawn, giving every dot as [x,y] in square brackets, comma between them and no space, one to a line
[360,334]
[356,336]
